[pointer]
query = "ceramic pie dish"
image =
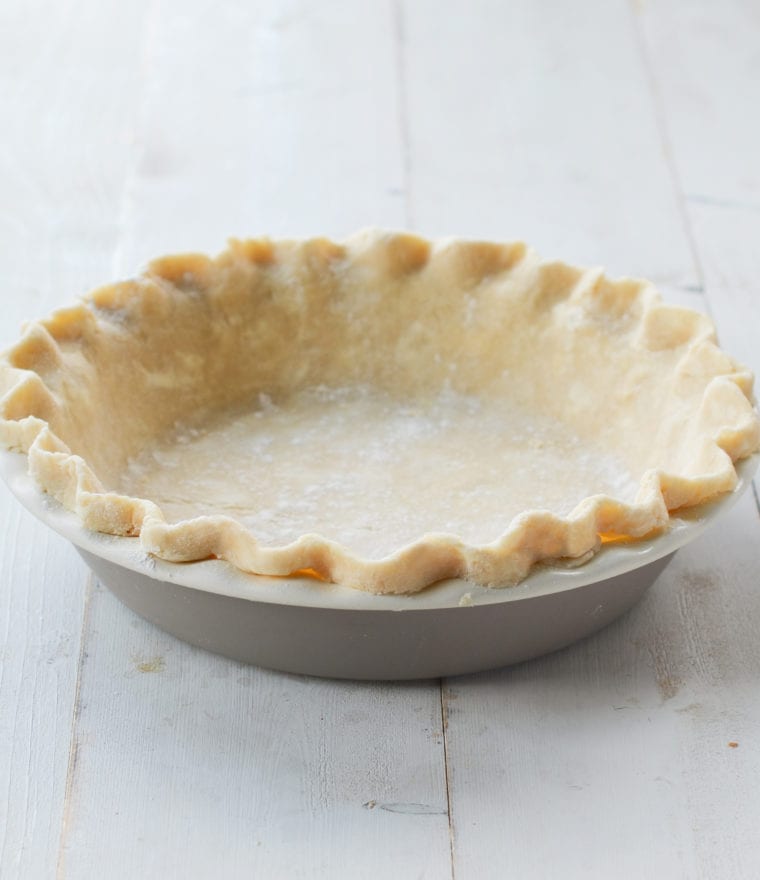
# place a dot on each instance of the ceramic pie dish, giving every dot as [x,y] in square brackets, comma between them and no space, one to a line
[317,628]
[376,416]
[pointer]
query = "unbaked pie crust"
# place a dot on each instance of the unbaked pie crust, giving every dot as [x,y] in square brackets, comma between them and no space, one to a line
[382,413]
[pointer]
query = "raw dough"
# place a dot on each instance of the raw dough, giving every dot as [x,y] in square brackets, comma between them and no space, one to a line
[384,412]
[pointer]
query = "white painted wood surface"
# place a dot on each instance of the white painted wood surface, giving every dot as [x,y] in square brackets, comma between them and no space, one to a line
[601,132]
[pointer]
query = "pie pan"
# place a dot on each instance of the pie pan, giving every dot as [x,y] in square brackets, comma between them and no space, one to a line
[293,625]
[291,424]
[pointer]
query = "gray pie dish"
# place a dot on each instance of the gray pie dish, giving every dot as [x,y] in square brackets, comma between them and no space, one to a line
[301,625]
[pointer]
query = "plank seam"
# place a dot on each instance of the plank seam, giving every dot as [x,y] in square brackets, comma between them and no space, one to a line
[667,148]
[126,202]
[13,543]
[447,767]
[403,109]
[73,742]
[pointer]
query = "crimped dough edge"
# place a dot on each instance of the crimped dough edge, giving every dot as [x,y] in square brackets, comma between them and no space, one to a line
[724,428]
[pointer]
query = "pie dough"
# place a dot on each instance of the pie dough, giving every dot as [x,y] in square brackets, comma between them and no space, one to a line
[382,413]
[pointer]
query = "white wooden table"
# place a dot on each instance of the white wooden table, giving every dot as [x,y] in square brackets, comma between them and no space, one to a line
[601,132]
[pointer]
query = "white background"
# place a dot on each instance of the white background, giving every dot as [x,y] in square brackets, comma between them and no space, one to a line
[623,134]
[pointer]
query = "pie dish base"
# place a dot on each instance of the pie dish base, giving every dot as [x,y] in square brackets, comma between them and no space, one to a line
[377,645]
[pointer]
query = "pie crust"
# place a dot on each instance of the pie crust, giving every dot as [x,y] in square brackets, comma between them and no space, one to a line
[382,413]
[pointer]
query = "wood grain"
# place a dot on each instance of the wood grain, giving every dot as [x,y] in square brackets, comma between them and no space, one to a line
[706,69]
[41,599]
[65,109]
[187,761]
[533,121]
[611,758]
[294,132]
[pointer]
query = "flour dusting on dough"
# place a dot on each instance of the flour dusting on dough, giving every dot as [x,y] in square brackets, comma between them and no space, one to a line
[372,472]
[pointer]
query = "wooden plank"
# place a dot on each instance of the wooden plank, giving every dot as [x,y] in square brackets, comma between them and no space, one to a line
[609,757]
[69,92]
[187,762]
[190,764]
[704,65]
[41,602]
[704,60]
[65,100]
[533,121]
[612,757]
[292,132]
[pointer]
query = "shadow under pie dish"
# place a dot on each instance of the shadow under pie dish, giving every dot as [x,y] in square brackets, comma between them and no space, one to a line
[381,414]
